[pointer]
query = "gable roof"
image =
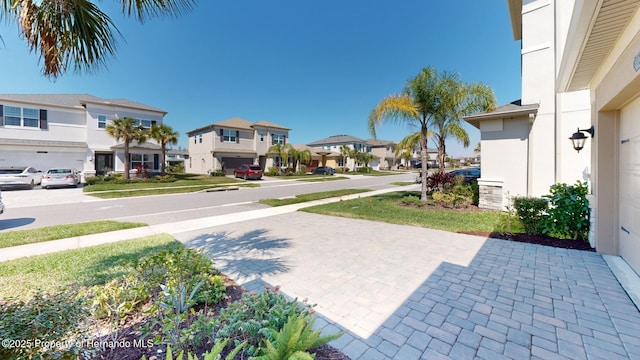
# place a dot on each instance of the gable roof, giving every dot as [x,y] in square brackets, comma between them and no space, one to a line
[507,111]
[378,142]
[76,101]
[338,140]
[315,151]
[267,124]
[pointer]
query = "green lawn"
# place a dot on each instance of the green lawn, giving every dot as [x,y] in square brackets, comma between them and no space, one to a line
[86,267]
[22,237]
[387,208]
[318,178]
[184,183]
[403,183]
[311,197]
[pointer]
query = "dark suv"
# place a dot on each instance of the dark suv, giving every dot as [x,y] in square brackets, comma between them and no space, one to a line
[469,174]
[248,172]
[324,170]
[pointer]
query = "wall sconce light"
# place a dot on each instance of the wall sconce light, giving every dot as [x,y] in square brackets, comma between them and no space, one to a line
[578,138]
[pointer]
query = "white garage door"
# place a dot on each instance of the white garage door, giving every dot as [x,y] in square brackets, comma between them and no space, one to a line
[630,185]
[42,160]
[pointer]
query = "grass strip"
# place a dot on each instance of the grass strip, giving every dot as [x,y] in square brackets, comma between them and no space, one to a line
[322,178]
[147,192]
[22,237]
[311,197]
[403,183]
[86,267]
[387,208]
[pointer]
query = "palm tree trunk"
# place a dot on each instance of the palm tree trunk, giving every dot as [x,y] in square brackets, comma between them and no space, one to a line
[126,158]
[424,156]
[442,150]
[163,166]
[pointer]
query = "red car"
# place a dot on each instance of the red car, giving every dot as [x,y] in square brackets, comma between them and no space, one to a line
[248,172]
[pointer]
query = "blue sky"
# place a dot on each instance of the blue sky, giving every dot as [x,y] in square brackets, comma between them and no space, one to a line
[317,67]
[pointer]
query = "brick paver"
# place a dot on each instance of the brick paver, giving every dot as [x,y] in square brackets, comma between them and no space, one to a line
[409,293]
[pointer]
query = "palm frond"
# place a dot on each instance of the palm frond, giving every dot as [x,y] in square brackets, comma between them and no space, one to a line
[142,9]
[394,108]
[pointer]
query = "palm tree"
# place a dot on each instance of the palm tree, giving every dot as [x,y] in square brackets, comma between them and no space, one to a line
[367,158]
[476,150]
[127,130]
[355,155]
[417,105]
[433,101]
[405,147]
[77,34]
[344,152]
[458,99]
[164,134]
[282,151]
[299,157]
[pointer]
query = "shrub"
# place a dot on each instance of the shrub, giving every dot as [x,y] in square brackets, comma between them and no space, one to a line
[294,340]
[30,329]
[364,169]
[253,317]
[412,200]
[568,213]
[439,180]
[217,173]
[531,212]
[456,196]
[273,171]
[175,169]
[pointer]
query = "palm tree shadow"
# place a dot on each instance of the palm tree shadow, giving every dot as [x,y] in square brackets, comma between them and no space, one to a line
[243,256]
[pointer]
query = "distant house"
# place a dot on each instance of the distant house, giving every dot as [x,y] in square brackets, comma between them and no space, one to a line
[227,144]
[335,142]
[319,157]
[69,130]
[176,157]
[384,150]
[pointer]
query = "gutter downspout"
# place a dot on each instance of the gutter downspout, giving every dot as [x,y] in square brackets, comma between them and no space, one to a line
[556,122]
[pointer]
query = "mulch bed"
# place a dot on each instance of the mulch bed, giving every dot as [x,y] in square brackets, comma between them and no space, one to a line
[536,239]
[131,333]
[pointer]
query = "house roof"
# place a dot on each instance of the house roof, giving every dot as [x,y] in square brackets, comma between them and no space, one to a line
[507,111]
[378,142]
[267,124]
[76,101]
[315,151]
[135,145]
[338,140]
[238,123]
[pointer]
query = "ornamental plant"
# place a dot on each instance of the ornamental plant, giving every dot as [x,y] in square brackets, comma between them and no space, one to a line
[568,213]
[531,211]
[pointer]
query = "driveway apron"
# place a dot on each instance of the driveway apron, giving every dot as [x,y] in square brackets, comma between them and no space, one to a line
[404,292]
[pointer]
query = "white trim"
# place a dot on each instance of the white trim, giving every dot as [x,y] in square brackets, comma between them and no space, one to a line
[628,278]
[531,49]
[533,6]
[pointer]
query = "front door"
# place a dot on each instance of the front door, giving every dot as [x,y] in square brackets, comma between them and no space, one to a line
[104,163]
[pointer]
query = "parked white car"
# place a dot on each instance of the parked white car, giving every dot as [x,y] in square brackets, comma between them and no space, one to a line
[60,177]
[22,176]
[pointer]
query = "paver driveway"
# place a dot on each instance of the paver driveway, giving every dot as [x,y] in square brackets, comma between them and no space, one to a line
[409,293]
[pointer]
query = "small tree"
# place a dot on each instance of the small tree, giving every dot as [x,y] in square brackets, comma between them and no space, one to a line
[125,129]
[568,213]
[164,134]
[344,152]
[299,157]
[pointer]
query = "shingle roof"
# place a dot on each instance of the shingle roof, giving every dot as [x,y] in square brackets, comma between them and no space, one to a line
[378,142]
[315,151]
[270,125]
[509,110]
[75,100]
[338,139]
[236,123]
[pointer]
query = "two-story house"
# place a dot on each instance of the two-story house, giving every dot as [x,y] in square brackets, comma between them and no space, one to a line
[227,144]
[384,150]
[335,142]
[69,130]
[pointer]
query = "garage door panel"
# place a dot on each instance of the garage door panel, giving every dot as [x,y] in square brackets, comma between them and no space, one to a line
[629,181]
[232,163]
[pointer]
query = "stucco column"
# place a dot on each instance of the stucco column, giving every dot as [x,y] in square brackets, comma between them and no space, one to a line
[605,181]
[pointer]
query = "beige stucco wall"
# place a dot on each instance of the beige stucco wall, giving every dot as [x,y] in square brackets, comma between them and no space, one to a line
[504,152]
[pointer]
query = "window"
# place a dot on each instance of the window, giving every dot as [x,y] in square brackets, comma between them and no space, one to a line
[278,139]
[195,139]
[25,117]
[200,138]
[144,160]
[229,135]
[31,117]
[12,116]
[261,137]
[102,121]
[144,123]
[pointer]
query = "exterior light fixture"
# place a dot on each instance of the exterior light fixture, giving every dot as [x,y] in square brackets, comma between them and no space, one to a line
[578,138]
